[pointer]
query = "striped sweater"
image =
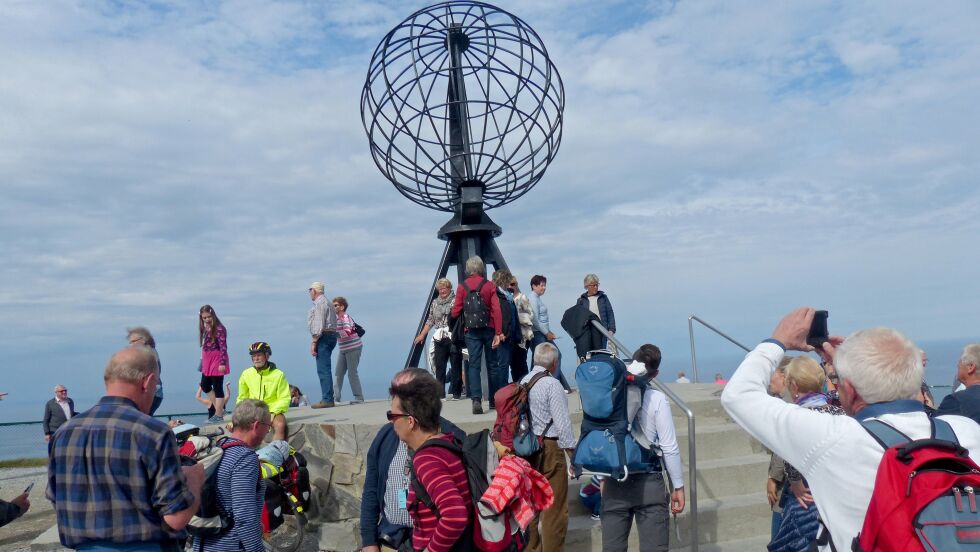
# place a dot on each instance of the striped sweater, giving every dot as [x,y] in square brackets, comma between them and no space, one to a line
[347,338]
[442,475]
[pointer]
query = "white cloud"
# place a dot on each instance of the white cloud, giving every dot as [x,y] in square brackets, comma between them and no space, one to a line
[733,160]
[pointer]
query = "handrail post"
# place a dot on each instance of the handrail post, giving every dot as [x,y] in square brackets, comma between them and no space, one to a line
[692,482]
[694,355]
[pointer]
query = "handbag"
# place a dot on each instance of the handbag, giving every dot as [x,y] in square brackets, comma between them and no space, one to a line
[358,329]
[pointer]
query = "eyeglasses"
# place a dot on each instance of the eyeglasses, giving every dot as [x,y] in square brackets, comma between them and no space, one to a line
[266,424]
[392,416]
[61,391]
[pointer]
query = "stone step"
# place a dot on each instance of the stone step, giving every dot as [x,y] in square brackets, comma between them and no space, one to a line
[716,478]
[718,440]
[723,524]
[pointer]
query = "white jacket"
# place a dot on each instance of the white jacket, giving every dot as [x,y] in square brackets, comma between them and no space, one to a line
[838,457]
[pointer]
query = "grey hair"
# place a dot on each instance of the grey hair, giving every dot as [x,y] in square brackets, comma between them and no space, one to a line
[591,279]
[545,355]
[143,334]
[882,365]
[132,365]
[444,282]
[971,355]
[248,412]
[408,374]
[475,265]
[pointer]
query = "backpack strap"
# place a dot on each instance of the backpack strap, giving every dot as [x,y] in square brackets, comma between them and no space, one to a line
[942,430]
[420,493]
[886,435]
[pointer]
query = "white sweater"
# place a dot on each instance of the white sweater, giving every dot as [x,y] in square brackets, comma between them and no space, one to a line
[838,457]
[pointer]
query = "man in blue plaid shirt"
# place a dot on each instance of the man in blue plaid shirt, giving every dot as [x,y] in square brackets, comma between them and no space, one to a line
[114,475]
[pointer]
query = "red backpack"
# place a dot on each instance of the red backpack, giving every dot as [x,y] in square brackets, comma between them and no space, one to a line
[924,495]
[511,401]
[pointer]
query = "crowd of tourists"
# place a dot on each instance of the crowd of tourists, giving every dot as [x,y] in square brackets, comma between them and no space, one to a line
[834,427]
[861,459]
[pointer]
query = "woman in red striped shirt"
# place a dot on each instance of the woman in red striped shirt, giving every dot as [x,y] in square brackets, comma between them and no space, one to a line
[415,410]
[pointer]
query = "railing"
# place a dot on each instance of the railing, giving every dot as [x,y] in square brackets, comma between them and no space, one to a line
[26,439]
[690,330]
[692,481]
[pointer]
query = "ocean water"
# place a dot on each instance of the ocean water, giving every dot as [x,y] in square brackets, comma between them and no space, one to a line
[26,440]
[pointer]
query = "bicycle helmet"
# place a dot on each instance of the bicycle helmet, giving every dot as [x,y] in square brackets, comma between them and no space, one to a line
[259,347]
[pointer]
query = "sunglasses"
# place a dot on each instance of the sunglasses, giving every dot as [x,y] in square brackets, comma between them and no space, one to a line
[392,416]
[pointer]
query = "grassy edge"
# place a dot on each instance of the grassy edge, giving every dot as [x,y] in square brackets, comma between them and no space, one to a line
[24,463]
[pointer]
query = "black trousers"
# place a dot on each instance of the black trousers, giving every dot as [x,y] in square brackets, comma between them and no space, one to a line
[518,362]
[445,352]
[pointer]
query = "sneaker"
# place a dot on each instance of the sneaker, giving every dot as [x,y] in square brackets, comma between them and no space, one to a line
[492,406]
[323,404]
[477,407]
[456,397]
[216,419]
[595,517]
[356,401]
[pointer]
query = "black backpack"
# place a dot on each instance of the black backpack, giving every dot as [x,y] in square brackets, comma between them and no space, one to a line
[476,313]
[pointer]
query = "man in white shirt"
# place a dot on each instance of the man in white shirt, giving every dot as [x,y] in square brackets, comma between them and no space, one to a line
[550,420]
[880,372]
[644,494]
[682,378]
[57,411]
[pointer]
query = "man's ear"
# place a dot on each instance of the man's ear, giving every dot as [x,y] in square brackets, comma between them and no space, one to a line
[150,382]
[971,369]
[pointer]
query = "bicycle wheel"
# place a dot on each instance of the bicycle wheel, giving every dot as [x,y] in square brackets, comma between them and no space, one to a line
[288,536]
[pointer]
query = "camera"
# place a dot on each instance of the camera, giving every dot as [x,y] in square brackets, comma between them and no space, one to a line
[818,330]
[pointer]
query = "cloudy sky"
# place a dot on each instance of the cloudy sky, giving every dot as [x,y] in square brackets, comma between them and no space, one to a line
[727,159]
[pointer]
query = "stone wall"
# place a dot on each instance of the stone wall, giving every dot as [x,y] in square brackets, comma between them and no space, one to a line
[336,456]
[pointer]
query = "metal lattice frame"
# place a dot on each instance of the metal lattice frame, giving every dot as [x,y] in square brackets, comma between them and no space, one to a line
[509,105]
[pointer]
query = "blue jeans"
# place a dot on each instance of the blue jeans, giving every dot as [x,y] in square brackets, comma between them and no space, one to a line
[478,345]
[593,502]
[538,339]
[324,348]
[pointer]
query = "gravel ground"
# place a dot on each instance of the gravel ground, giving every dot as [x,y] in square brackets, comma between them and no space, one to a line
[18,534]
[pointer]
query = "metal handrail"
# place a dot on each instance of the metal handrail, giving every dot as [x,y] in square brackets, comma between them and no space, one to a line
[690,330]
[692,482]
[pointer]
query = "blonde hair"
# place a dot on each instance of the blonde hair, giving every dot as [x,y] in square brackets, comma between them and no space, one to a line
[806,373]
[444,282]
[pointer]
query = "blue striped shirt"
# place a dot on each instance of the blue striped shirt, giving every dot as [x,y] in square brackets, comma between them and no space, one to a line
[241,492]
[113,473]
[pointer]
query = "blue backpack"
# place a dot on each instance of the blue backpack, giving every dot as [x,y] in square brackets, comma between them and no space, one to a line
[608,443]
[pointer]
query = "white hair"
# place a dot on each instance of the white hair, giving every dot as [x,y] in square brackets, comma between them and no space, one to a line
[591,279]
[882,365]
[475,265]
[971,355]
[545,355]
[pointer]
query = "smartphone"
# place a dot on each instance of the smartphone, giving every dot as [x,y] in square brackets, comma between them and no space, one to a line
[29,487]
[818,330]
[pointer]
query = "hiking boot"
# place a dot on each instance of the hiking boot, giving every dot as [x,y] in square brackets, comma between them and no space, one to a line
[324,404]
[492,406]
[216,419]
[477,407]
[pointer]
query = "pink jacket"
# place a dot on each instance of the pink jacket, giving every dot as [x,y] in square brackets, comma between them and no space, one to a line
[516,485]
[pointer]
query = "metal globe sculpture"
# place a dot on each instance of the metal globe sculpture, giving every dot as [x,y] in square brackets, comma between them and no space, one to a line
[463,112]
[462,92]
